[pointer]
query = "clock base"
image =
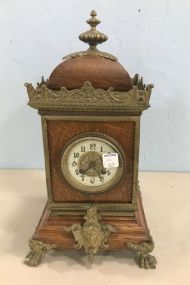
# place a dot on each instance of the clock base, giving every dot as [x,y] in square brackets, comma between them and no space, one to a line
[112,233]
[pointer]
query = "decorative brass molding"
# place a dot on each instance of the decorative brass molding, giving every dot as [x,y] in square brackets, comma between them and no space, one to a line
[113,207]
[92,235]
[91,52]
[146,260]
[88,98]
[37,249]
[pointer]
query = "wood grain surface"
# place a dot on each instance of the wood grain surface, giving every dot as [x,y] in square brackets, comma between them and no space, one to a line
[128,229]
[60,132]
[101,72]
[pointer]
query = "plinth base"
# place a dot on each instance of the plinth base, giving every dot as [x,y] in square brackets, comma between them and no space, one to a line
[113,233]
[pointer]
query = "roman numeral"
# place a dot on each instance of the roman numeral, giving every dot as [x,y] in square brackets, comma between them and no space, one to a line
[82,148]
[92,146]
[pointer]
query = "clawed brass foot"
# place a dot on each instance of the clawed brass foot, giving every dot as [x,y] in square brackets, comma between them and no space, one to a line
[37,250]
[146,260]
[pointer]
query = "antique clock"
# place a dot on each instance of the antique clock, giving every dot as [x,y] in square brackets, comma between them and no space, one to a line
[90,110]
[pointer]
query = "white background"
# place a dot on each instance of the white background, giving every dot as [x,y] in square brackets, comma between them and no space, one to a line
[149,37]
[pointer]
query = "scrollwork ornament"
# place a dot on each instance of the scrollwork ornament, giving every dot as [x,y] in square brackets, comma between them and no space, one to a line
[88,98]
[92,235]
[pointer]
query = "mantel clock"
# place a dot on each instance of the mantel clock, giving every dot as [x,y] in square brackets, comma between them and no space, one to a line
[90,109]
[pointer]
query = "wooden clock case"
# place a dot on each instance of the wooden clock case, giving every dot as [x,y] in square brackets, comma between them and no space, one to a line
[91,93]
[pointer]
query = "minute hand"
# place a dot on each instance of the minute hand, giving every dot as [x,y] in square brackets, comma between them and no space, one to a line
[98,174]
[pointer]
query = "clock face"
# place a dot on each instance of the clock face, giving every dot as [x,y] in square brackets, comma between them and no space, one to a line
[92,163]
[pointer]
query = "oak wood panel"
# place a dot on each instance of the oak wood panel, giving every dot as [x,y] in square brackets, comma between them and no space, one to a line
[129,229]
[60,132]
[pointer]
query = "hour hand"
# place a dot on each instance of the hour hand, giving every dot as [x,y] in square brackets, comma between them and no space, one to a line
[82,170]
[89,166]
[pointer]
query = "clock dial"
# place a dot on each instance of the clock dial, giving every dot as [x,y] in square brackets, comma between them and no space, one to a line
[82,163]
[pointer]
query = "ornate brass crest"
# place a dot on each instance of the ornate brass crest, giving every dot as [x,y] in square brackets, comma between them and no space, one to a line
[92,235]
[90,99]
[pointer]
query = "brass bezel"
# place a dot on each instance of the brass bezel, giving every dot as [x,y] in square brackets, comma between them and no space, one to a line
[96,189]
[107,207]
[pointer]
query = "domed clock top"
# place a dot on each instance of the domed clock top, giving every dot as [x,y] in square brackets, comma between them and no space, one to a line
[81,75]
[91,65]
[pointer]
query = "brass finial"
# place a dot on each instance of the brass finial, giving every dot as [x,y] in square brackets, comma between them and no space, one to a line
[92,36]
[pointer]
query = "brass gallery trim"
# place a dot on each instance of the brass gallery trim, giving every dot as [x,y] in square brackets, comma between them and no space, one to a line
[83,206]
[88,98]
